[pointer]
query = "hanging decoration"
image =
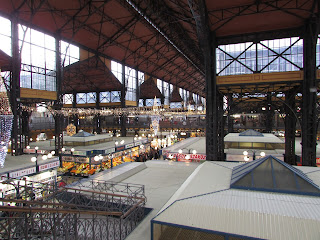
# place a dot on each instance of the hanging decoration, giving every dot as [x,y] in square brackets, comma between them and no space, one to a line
[84,112]
[6,120]
[71,129]
[155,118]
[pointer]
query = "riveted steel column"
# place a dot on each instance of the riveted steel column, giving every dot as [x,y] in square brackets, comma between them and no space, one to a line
[290,127]
[230,119]
[221,123]
[25,115]
[309,98]
[97,117]
[16,134]
[123,104]
[269,114]
[137,88]
[58,117]
[207,41]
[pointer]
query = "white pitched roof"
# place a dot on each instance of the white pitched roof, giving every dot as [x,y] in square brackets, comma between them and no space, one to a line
[248,213]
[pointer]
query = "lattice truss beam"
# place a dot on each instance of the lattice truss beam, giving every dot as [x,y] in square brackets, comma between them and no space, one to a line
[298,9]
[125,35]
[261,56]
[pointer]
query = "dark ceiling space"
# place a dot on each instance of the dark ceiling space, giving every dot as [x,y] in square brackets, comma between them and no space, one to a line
[159,37]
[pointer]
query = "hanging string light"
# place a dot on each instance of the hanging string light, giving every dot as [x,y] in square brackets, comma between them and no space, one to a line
[116,112]
[6,119]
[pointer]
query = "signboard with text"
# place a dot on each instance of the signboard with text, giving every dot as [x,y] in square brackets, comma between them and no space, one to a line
[182,156]
[110,150]
[22,172]
[130,145]
[49,165]
[4,177]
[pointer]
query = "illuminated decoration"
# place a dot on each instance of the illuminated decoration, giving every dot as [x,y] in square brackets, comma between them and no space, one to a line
[135,111]
[71,129]
[155,118]
[6,120]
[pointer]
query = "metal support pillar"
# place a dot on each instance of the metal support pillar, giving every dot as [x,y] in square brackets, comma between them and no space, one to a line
[230,119]
[97,117]
[58,117]
[269,114]
[169,89]
[74,101]
[75,121]
[207,42]
[220,127]
[290,127]
[25,128]
[137,88]
[123,103]
[309,98]
[16,134]
[211,104]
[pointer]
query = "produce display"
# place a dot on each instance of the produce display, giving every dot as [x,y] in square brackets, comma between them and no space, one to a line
[85,169]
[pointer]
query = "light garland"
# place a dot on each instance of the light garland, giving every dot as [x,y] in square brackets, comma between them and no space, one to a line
[6,120]
[135,111]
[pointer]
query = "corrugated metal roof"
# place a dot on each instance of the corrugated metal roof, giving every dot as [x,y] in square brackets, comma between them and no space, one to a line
[248,213]
[251,133]
[267,138]
[208,177]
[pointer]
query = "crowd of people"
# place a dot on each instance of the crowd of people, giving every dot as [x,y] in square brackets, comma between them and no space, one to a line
[152,154]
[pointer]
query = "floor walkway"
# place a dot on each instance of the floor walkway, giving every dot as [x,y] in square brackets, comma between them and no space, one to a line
[161,179]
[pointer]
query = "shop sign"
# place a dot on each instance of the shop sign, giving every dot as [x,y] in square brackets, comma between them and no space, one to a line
[67,158]
[120,148]
[81,159]
[49,165]
[183,156]
[137,143]
[4,177]
[110,150]
[22,172]
[80,153]
[130,145]
[33,151]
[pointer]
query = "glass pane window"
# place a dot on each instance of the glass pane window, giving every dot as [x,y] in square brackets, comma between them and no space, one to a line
[69,53]
[159,85]
[81,98]
[91,97]
[105,97]
[116,69]
[68,98]
[130,77]
[174,105]
[115,96]
[5,35]
[140,77]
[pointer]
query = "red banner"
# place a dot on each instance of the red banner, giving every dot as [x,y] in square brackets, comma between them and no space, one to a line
[183,156]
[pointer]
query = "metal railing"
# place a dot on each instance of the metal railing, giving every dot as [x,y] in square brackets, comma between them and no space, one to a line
[82,210]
